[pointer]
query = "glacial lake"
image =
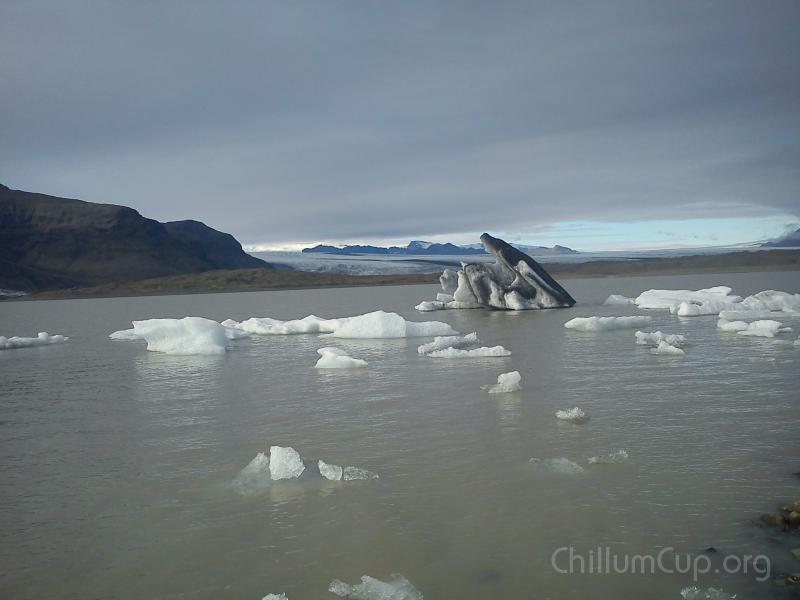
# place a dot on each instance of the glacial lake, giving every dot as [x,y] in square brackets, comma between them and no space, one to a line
[117,463]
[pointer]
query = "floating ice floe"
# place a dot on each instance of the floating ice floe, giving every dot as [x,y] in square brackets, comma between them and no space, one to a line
[124,334]
[771,300]
[618,300]
[620,456]
[514,282]
[557,465]
[482,352]
[644,338]
[334,358]
[575,415]
[732,326]
[275,597]
[765,328]
[42,339]
[688,302]
[398,588]
[750,315]
[606,323]
[255,476]
[695,593]
[330,472]
[284,463]
[667,349]
[336,473]
[190,335]
[233,331]
[374,325]
[449,341]
[506,383]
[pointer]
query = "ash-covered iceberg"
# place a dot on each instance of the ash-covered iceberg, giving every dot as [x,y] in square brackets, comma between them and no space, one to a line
[514,282]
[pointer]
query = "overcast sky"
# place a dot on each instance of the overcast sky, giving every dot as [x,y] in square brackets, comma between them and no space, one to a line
[595,125]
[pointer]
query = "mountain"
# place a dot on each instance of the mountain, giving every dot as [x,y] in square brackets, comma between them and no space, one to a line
[47,242]
[536,250]
[415,248]
[790,240]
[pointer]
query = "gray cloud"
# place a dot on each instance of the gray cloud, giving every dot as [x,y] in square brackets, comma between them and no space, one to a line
[299,121]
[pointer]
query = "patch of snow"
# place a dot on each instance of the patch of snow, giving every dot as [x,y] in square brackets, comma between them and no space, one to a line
[482,352]
[449,341]
[190,335]
[334,358]
[606,323]
[563,466]
[506,383]
[644,338]
[618,300]
[42,339]
[398,588]
[620,456]
[575,415]
[284,463]
[668,349]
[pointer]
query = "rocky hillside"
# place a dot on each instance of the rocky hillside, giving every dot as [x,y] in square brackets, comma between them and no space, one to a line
[47,242]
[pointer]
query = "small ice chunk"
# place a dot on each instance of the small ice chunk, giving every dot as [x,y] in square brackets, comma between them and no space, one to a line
[733,326]
[616,299]
[380,324]
[275,597]
[576,415]
[255,475]
[644,338]
[771,300]
[482,352]
[606,323]
[42,339]
[449,341]
[668,349]
[506,383]
[335,358]
[398,588]
[284,463]
[764,328]
[328,471]
[557,465]
[620,456]
[124,334]
[190,335]
[716,297]
[357,473]
[695,593]
[430,305]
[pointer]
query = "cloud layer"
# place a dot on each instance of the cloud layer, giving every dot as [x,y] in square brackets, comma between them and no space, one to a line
[302,121]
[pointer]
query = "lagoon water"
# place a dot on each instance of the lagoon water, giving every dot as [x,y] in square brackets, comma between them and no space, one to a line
[117,463]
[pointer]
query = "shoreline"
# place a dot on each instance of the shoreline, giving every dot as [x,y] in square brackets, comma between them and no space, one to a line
[259,280]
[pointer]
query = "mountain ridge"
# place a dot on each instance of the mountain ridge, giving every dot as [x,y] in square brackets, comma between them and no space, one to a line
[420,247]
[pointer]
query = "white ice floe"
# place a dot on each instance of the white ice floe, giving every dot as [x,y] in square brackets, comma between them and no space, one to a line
[557,465]
[448,341]
[750,315]
[233,331]
[482,352]
[575,415]
[334,358]
[695,593]
[765,328]
[255,476]
[732,326]
[275,597]
[618,300]
[336,473]
[125,334]
[190,335]
[506,382]
[374,325]
[284,463]
[771,300]
[690,302]
[667,349]
[398,588]
[42,339]
[606,323]
[644,338]
[620,456]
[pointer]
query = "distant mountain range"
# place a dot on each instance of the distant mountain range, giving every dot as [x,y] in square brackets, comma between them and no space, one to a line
[790,240]
[421,248]
[47,242]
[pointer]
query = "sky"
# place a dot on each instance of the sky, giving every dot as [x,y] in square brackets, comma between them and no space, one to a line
[596,125]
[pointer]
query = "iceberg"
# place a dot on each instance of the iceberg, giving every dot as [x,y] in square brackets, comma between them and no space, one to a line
[575,415]
[620,456]
[482,352]
[284,463]
[449,341]
[233,331]
[771,300]
[653,339]
[334,358]
[506,383]
[617,300]
[190,335]
[563,466]
[766,328]
[704,301]
[267,326]
[514,282]
[668,349]
[42,339]
[606,323]
[398,588]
